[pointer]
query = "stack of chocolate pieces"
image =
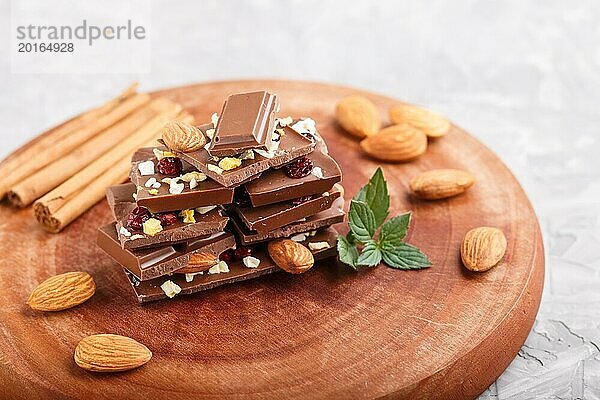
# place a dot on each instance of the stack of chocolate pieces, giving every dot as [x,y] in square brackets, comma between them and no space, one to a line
[201,207]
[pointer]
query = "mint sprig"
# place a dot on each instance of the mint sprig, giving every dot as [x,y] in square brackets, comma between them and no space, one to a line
[362,246]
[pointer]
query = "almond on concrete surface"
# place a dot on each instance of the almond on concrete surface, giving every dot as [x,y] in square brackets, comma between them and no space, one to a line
[483,248]
[110,353]
[441,183]
[62,291]
[433,124]
[396,143]
[291,256]
[358,116]
[181,136]
[199,262]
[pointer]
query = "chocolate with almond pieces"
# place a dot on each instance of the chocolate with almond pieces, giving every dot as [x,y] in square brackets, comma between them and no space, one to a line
[121,203]
[151,290]
[285,147]
[154,190]
[149,263]
[246,122]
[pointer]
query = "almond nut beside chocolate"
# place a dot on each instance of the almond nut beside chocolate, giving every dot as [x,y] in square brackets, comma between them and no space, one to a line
[110,353]
[441,183]
[396,143]
[181,136]
[199,262]
[62,291]
[483,248]
[291,256]
[358,116]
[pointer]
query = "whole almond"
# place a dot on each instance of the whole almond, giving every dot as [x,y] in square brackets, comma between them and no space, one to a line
[433,124]
[62,291]
[441,183]
[482,248]
[181,136]
[291,256]
[199,262]
[110,353]
[358,116]
[397,143]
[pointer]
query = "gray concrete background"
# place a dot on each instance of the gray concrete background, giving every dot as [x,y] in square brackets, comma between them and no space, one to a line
[522,76]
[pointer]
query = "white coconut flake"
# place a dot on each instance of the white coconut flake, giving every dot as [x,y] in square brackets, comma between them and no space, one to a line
[170,288]
[325,194]
[264,153]
[223,267]
[205,209]
[305,125]
[318,245]
[193,183]
[318,172]
[214,168]
[123,231]
[285,121]
[137,236]
[150,182]
[247,155]
[214,119]
[175,188]
[251,262]
[299,237]
[146,168]
[210,133]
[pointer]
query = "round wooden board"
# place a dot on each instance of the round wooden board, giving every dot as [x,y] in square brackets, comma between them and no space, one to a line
[440,333]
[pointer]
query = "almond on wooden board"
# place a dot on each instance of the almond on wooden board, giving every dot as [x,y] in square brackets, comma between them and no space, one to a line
[291,256]
[199,262]
[482,248]
[181,136]
[441,183]
[62,291]
[110,353]
[358,116]
[433,124]
[396,143]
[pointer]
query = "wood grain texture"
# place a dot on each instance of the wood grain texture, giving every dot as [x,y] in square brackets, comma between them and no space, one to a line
[441,333]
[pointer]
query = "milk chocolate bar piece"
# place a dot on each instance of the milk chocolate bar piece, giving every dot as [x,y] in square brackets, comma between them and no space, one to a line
[121,203]
[246,122]
[333,215]
[153,262]
[146,291]
[272,216]
[206,193]
[284,148]
[275,186]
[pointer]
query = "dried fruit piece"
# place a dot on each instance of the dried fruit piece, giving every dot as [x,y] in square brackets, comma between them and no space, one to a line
[170,166]
[188,216]
[358,116]
[227,255]
[290,256]
[167,219]
[151,227]
[62,291]
[433,124]
[110,353]
[299,168]
[229,163]
[482,248]
[181,136]
[396,143]
[242,251]
[137,217]
[441,183]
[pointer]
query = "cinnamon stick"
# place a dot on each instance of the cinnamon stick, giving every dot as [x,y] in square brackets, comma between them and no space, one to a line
[41,182]
[73,197]
[64,139]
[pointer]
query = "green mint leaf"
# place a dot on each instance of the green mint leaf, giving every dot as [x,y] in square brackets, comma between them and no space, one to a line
[347,252]
[403,256]
[394,230]
[370,255]
[361,221]
[375,195]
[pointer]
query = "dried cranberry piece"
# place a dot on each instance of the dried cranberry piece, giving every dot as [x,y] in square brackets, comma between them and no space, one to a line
[170,166]
[227,255]
[300,200]
[298,168]
[242,251]
[137,217]
[241,198]
[167,219]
